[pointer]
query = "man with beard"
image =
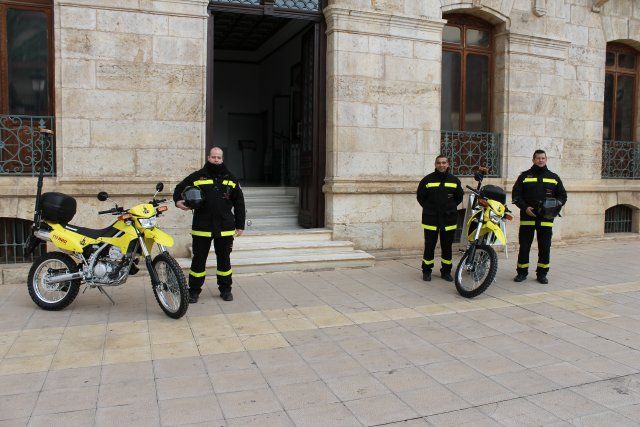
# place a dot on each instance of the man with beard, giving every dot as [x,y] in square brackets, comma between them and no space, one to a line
[532,187]
[439,194]
[220,218]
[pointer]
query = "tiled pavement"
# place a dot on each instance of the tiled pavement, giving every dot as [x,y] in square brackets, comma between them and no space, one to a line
[346,347]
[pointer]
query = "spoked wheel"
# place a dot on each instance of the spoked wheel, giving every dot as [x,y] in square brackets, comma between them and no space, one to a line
[172,293]
[52,296]
[473,277]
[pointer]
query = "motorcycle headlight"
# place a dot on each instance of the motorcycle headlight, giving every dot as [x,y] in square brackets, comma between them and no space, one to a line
[495,218]
[148,222]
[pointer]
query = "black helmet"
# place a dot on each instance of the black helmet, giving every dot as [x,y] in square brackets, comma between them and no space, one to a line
[549,208]
[193,197]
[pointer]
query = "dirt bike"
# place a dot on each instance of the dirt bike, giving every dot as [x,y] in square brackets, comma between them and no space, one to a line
[485,226]
[101,258]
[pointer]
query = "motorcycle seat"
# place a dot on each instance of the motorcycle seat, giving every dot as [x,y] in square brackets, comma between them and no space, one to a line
[110,231]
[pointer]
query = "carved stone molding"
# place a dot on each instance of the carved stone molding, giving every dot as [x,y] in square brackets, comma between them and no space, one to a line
[539,7]
[379,23]
[186,8]
[538,46]
[597,5]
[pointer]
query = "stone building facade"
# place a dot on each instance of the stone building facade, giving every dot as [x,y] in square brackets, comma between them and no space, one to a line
[130,106]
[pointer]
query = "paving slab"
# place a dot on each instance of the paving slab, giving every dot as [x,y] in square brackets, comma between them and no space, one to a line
[342,347]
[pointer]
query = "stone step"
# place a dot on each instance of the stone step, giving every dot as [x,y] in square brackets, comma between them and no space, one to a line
[282,221]
[281,248]
[261,199]
[306,262]
[302,234]
[270,210]
[269,191]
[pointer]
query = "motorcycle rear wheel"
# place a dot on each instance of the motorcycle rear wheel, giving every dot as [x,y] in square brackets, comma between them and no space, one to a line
[54,296]
[172,293]
[472,279]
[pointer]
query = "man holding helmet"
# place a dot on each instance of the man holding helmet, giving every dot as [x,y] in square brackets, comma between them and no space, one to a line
[439,194]
[539,194]
[218,214]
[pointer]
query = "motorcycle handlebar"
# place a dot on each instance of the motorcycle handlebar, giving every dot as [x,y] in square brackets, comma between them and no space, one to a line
[111,211]
[473,190]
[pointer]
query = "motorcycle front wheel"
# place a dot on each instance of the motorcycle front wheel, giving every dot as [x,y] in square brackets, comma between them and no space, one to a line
[473,277]
[172,292]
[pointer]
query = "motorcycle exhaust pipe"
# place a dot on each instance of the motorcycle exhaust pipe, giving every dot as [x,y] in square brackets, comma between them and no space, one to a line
[42,235]
[63,278]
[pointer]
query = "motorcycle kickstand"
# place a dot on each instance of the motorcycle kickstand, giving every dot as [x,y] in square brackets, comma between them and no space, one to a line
[106,295]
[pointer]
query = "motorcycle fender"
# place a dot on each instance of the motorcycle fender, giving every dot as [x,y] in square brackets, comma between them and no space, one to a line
[470,229]
[157,236]
[497,231]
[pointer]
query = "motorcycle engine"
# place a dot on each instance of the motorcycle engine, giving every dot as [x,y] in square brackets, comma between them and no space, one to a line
[107,265]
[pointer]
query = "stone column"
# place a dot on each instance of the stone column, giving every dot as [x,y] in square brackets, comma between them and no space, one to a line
[383,119]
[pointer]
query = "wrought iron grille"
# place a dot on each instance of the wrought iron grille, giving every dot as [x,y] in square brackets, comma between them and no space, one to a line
[13,234]
[310,5]
[620,159]
[469,150]
[303,5]
[618,219]
[23,148]
[240,2]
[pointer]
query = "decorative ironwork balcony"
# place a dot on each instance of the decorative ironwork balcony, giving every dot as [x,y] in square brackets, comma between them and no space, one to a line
[469,150]
[620,160]
[23,148]
[302,5]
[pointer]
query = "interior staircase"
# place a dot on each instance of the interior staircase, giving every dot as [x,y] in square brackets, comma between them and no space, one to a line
[273,240]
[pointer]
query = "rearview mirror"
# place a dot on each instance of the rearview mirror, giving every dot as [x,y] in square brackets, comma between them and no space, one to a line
[102,196]
[159,187]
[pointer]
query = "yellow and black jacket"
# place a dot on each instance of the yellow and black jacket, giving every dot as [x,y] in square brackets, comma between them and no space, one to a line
[533,186]
[439,194]
[223,210]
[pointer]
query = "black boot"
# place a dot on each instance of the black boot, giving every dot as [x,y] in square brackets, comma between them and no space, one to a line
[542,278]
[226,295]
[446,276]
[426,276]
[193,298]
[520,277]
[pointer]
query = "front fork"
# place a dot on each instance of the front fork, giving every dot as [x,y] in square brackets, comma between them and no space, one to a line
[155,280]
[472,248]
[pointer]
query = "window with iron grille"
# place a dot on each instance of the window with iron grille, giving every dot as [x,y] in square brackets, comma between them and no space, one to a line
[465,108]
[618,219]
[26,86]
[13,234]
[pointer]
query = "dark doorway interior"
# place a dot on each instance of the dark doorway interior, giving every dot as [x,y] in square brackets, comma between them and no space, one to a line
[256,110]
[266,104]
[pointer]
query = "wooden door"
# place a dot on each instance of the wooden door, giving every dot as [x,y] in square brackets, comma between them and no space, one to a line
[312,150]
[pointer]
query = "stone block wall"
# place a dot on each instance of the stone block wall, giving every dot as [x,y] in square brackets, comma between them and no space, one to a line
[384,107]
[130,88]
[130,97]
[130,106]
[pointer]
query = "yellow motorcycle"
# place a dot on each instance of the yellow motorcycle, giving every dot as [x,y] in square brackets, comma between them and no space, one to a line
[485,226]
[102,258]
